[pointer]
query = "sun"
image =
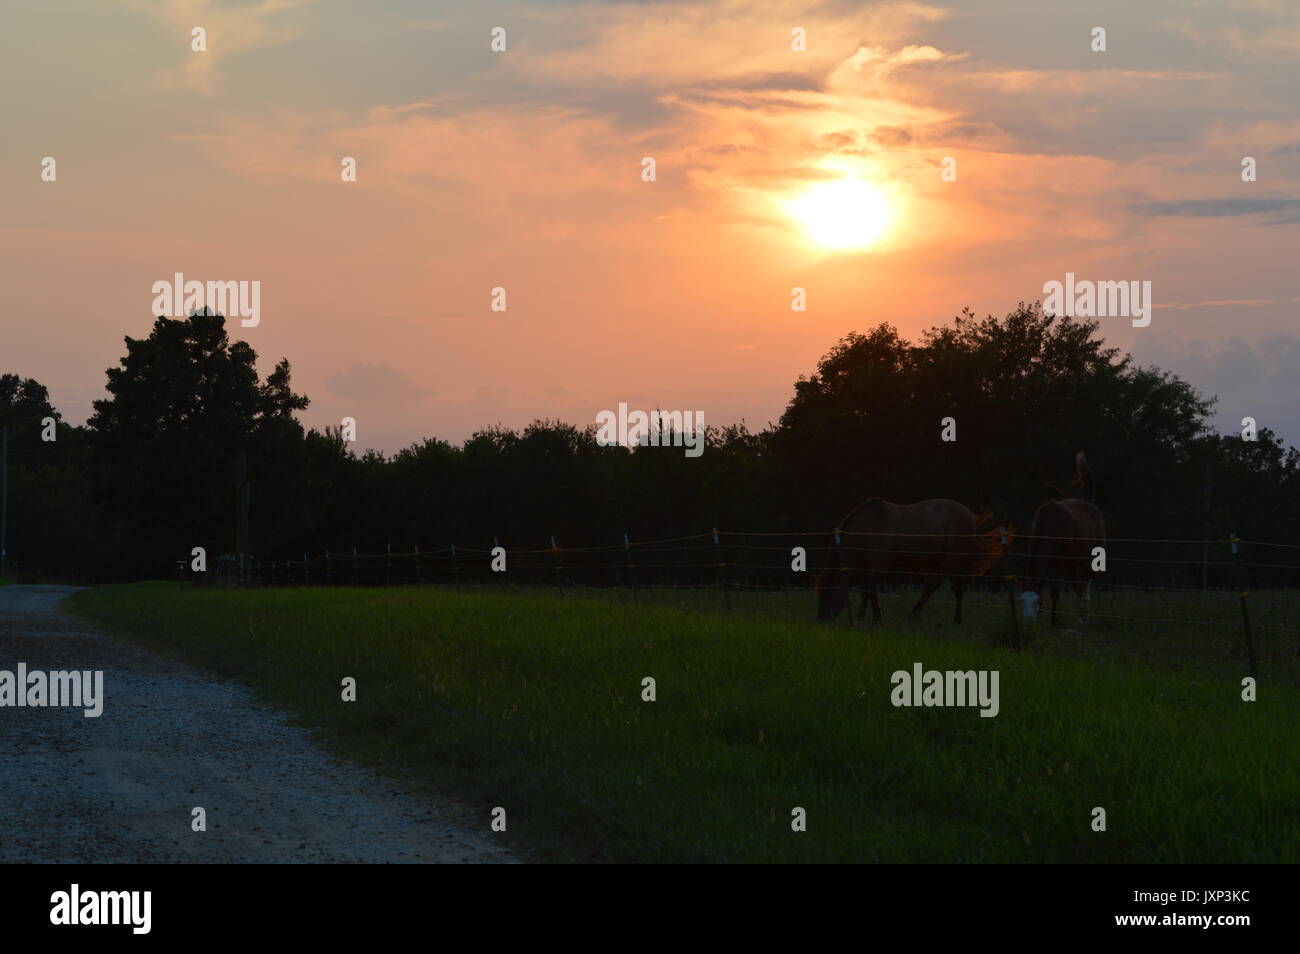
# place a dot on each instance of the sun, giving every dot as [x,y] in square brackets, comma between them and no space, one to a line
[843,214]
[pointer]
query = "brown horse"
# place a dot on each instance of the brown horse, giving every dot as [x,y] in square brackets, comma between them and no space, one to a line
[933,539]
[1060,546]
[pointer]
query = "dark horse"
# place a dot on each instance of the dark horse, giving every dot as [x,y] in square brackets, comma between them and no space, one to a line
[933,539]
[1060,546]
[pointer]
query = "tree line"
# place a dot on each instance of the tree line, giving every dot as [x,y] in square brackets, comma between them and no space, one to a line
[153,471]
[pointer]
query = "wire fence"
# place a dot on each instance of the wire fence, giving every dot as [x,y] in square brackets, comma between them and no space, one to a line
[764,559]
[1235,593]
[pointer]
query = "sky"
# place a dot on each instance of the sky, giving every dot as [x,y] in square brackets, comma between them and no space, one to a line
[775,167]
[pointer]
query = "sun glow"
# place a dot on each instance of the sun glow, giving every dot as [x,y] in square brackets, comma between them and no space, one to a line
[843,214]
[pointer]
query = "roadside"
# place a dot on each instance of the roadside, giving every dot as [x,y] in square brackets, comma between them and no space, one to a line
[121,787]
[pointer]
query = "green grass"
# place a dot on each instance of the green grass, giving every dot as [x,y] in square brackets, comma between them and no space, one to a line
[533,702]
[1198,634]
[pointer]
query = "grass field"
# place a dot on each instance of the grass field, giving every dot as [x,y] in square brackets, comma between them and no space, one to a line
[532,701]
[1198,633]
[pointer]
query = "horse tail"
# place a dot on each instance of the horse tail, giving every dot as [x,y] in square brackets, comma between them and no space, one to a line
[1083,478]
[989,545]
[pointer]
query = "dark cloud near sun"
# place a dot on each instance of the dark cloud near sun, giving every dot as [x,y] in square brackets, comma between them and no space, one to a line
[1283,210]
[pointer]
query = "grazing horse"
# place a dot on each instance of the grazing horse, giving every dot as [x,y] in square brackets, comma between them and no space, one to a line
[933,538]
[1060,546]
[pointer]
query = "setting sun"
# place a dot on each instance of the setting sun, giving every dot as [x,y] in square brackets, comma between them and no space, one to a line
[844,214]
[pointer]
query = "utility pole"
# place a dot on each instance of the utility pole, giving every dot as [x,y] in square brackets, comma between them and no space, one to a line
[4,499]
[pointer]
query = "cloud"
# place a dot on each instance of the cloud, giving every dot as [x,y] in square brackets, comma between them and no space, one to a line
[1287,210]
[726,42]
[374,385]
[229,30]
[1219,303]
[1250,378]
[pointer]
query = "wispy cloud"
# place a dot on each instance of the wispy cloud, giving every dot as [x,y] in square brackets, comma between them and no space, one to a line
[1218,208]
[230,30]
[1281,211]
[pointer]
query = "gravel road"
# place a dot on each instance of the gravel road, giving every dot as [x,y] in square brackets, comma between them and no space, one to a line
[121,787]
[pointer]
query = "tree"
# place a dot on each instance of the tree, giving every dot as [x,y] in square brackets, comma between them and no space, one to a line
[184,402]
[1024,392]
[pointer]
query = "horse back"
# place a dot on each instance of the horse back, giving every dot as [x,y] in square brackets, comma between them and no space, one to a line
[1085,519]
[930,535]
[1062,537]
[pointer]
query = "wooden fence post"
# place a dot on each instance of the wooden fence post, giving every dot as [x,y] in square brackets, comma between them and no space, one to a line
[1016,636]
[356,577]
[555,558]
[1244,581]
[722,572]
[631,575]
[839,575]
[418,580]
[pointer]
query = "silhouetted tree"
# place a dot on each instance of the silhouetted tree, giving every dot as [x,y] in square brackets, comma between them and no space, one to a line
[184,402]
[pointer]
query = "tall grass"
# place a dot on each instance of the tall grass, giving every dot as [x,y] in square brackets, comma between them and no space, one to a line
[532,702]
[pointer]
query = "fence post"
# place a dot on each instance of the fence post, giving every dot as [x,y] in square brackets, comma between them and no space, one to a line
[306,570]
[839,576]
[388,564]
[627,546]
[356,577]
[555,558]
[418,579]
[327,566]
[722,572]
[1016,639]
[455,576]
[1234,540]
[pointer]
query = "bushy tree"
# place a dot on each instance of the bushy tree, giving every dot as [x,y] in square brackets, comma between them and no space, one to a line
[184,402]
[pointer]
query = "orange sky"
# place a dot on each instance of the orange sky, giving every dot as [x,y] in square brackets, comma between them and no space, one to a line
[522,169]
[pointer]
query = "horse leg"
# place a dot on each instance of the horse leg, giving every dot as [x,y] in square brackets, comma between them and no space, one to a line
[869,584]
[930,587]
[1056,595]
[862,610]
[1085,597]
[958,587]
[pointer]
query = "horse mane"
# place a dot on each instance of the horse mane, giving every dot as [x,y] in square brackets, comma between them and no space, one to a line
[869,502]
[832,573]
[1083,478]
